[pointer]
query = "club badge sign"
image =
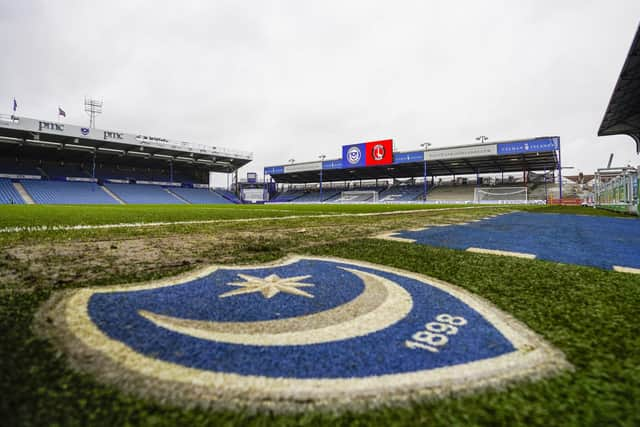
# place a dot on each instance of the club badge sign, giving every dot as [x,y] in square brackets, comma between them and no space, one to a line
[302,333]
[374,153]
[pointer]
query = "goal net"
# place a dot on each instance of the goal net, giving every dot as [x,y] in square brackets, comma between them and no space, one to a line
[500,195]
[358,196]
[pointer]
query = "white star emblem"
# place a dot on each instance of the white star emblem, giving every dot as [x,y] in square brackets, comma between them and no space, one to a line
[269,286]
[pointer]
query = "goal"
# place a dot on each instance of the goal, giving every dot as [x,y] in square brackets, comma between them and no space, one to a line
[362,196]
[500,195]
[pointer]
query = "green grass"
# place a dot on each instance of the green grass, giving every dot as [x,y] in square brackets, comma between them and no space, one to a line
[50,215]
[36,215]
[592,315]
[578,210]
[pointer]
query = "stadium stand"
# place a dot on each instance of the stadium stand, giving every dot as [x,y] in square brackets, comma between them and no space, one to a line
[200,196]
[451,193]
[140,174]
[229,195]
[66,193]
[13,166]
[53,170]
[8,194]
[287,196]
[143,194]
[314,196]
[113,172]
[404,193]
[355,198]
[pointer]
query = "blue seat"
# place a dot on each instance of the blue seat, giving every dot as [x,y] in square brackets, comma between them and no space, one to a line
[8,194]
[143,194]
[66,193]
[200,195]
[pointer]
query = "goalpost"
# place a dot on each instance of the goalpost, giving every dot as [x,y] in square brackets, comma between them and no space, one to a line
[355,196]
[500,195]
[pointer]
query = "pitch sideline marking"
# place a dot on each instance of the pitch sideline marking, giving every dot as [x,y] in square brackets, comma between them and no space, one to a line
[503,253]
[391,237]
[36,228]
[622,269]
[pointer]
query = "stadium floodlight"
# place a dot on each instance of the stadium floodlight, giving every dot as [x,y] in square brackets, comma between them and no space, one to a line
[425,145]
[92,107]
[482,139]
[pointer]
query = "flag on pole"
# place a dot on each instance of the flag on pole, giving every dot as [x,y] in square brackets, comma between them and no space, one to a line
[15,105]
[61,112]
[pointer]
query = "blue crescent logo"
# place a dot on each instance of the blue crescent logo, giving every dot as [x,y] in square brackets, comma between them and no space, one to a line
[320,326]
[354,155]
[84,131]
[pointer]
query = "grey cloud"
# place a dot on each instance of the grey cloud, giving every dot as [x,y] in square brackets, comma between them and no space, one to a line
[295,79]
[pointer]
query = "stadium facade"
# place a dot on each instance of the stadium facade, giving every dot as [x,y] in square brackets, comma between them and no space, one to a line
[617,188]
[414,172]
[43,161]
[622,116]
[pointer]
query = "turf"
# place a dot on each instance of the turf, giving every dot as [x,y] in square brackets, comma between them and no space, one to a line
[38,215]
[25,215]
[590,314]
[570,239]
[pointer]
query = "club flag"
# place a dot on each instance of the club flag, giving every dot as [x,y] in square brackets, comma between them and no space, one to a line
[61,112]
[15,105]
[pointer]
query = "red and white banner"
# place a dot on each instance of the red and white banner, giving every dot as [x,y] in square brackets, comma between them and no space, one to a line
[379,153]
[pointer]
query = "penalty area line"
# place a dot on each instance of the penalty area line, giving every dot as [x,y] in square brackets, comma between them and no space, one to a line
[36,228]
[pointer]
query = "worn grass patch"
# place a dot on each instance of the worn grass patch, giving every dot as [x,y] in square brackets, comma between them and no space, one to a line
[589,314]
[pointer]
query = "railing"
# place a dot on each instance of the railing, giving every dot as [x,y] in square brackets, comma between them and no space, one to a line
[565,202]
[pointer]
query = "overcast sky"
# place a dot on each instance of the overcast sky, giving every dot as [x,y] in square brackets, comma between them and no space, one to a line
[295,79]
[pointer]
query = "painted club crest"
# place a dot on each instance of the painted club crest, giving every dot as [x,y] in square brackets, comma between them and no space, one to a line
[305,332]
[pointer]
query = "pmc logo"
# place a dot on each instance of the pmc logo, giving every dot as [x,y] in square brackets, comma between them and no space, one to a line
[354,155]
[378,152]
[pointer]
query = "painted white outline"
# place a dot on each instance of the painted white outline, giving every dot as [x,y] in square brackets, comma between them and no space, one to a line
[622,269]
[81,339]
[501,253]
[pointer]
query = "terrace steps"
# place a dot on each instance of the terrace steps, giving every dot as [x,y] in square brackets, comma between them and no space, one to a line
[177,196]
[23,193]
[113,195]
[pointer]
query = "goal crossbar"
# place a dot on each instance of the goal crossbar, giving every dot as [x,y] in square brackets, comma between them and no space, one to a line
[498,194]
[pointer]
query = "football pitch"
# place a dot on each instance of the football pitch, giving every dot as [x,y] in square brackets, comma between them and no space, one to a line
[589,314]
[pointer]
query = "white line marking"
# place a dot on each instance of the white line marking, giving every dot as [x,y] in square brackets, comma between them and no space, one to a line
[20,229]
[391,236]
[502,253]
[626,269]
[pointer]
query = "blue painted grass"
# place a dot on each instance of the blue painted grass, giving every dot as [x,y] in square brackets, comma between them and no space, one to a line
[379,353]
[601,242]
